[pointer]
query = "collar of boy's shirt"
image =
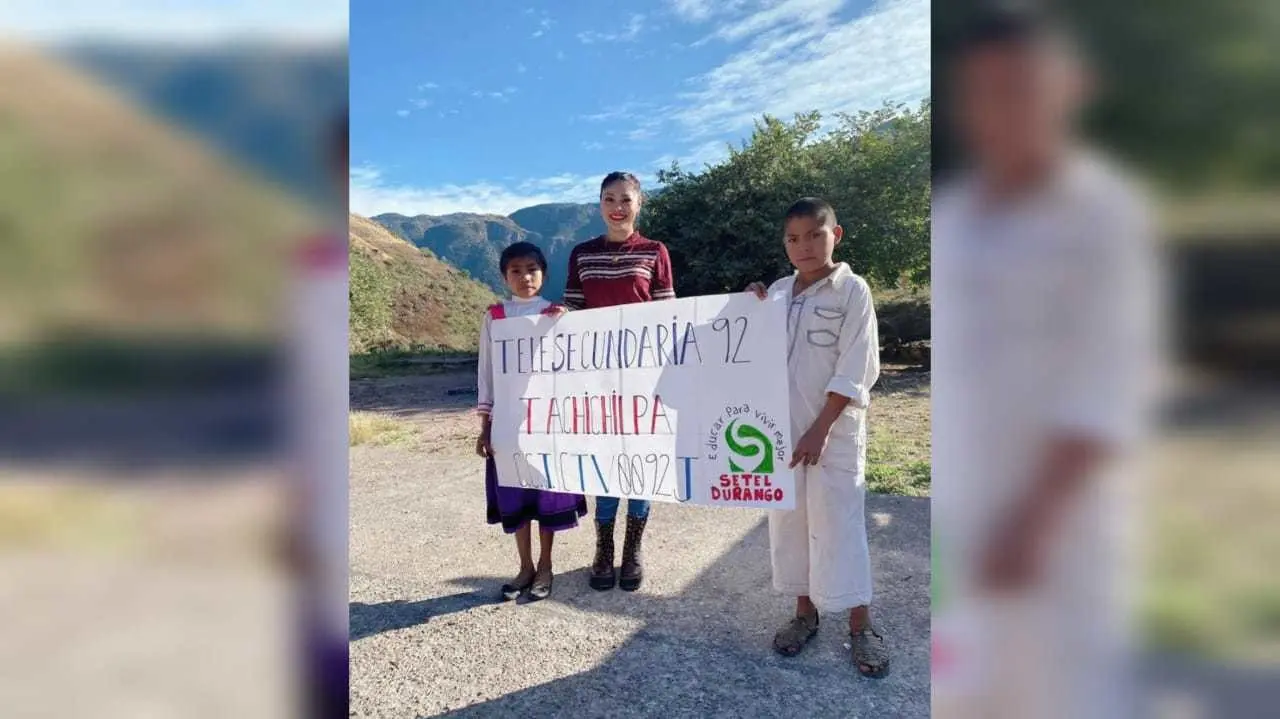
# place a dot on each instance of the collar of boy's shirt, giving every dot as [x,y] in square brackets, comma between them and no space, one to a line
[840,275]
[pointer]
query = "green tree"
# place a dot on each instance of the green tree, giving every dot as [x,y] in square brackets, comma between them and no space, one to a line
[724,225]
[1186,88]
[369,296]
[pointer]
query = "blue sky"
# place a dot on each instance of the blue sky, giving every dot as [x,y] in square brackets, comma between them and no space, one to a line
[493,105]
[175,21]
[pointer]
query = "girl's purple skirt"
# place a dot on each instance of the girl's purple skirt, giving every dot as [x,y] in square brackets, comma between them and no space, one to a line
[513,507]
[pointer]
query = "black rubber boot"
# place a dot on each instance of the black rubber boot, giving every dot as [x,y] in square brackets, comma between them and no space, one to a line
[603,576]
[632,573]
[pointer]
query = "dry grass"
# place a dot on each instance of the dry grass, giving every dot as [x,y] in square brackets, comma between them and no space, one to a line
[898,433]
[210,519]
[1212,539]
[380,429]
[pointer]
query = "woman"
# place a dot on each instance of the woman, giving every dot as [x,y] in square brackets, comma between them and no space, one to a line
[618,268]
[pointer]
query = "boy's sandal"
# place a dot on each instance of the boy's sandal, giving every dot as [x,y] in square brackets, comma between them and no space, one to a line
[870,653]
[792,637]
[541,588]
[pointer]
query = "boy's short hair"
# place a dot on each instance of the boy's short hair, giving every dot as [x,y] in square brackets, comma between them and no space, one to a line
[1025,23]
[812,207]
[522,250]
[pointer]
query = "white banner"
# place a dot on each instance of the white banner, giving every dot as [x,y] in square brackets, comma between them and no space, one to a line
[677,401]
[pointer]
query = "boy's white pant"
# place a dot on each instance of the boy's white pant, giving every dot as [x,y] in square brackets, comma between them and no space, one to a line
[820,548]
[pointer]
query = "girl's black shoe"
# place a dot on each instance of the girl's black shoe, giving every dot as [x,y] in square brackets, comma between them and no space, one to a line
[541,589]
[512,591]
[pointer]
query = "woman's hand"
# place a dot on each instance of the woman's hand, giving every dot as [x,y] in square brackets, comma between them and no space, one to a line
[758,289]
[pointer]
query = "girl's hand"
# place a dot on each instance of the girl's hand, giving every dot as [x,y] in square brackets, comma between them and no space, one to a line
[557,310]
[758,289]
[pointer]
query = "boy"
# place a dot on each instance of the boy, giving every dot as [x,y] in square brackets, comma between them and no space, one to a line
[819,550]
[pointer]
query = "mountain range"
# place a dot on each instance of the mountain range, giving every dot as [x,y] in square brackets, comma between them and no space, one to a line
[474,242]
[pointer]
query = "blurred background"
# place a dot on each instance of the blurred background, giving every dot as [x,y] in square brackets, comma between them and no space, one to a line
[1185,97]
[162,167]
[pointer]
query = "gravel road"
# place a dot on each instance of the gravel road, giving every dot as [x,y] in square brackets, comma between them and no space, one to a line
[427,639]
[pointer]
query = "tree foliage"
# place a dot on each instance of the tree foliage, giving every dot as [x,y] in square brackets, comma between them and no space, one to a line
[370,296]
[724,225]
[1185,90]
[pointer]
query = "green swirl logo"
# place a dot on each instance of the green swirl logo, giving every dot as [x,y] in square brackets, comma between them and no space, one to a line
[746,442]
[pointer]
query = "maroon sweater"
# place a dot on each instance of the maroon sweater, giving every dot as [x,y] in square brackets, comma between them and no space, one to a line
[605,274]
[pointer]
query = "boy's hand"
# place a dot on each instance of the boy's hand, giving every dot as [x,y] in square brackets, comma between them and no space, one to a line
[811,446]
[483,446]
[758,289]
[1014,557]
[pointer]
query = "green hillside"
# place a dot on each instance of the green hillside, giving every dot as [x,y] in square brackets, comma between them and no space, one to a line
[406,298]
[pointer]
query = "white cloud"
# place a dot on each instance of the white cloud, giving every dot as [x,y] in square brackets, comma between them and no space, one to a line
[592,146]
[427,86]
[537,33]
[304,21]
[701,10]
[372,194]
[559,54]
[520,68]
[504,94]
[809,60]
[640,134]
[402,113]
[693,10]
[421,104]
[708,153]
[811,13]
[635,25]
[624,111]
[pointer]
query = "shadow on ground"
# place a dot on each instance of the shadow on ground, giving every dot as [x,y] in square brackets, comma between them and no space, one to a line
[370,619]
[706,651]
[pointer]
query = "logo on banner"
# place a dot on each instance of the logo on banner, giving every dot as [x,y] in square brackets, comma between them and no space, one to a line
[747,444]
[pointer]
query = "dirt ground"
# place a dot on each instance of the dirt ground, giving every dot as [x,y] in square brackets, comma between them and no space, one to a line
[428,639]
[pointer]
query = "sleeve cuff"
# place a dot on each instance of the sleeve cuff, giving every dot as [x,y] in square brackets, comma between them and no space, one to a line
[858,395]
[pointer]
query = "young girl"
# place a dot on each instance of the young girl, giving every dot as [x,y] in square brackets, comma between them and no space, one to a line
[618,268]
[523,267]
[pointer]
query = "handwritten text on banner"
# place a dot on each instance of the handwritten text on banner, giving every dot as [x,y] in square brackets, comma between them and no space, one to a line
[680,401]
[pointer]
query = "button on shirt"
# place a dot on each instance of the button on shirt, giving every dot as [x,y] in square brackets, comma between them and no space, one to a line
[832,347]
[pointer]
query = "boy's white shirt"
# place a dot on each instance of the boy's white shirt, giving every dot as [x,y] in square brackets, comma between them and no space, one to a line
[820,548]
[1042,323]
[513,307]
[833,345]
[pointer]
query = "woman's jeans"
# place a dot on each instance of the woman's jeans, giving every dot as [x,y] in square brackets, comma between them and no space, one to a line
[607,508]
